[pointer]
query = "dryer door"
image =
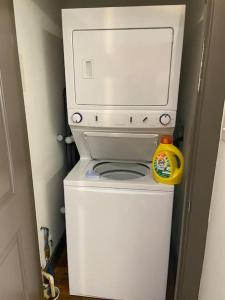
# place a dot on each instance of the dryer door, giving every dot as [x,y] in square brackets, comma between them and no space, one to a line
[122,67]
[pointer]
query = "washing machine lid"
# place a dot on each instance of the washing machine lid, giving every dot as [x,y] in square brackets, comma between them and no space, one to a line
[120,146]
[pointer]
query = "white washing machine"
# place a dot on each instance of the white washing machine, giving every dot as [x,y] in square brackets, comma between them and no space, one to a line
[122,77]
[118,230]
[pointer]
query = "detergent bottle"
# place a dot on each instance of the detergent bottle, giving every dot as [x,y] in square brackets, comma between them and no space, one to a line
[168,162]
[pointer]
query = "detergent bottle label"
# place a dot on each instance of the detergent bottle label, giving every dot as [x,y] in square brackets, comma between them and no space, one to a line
[162,165]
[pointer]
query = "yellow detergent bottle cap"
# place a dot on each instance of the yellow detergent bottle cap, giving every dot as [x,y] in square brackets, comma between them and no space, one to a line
[168,162]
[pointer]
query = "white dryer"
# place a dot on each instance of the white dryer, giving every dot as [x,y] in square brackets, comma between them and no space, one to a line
[122,76]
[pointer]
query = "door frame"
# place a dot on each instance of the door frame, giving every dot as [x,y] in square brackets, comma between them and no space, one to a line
[200,167]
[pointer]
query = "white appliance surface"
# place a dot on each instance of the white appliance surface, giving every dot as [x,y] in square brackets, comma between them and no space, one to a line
[118,235]
[129,119]
[118,145]
[82,175]
[107,62]
[122,77]
[123,57]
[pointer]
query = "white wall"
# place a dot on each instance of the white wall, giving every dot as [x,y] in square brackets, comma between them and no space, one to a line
[38,25]
[213,275]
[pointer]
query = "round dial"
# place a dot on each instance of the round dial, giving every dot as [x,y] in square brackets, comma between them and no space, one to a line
[76,117]
[165,119]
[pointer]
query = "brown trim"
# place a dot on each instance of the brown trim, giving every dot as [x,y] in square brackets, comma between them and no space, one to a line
[203,148]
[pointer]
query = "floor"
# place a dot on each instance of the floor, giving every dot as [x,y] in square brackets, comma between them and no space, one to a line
[61,281]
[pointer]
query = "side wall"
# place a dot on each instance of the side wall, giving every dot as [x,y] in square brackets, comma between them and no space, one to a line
[38,25]
[188,97]
[202,132]
[213,274]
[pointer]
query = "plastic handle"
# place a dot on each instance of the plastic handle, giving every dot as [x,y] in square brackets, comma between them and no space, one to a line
[88,69]
[178,171]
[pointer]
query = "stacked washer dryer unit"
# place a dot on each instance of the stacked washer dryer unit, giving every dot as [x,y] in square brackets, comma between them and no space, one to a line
[122,75]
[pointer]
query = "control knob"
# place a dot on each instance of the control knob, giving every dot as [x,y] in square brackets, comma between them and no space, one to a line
[77,117]
[165,119]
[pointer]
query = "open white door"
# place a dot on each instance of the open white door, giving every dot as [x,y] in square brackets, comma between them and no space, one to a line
[19,259]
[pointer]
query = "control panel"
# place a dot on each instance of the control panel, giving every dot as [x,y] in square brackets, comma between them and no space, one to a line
[122,119]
